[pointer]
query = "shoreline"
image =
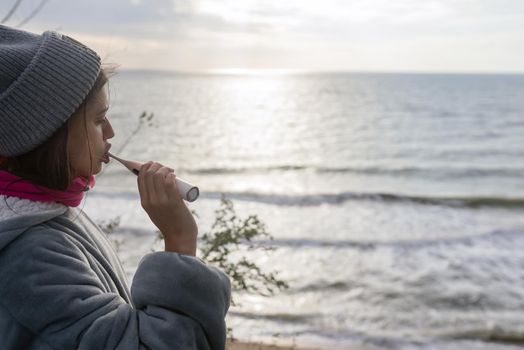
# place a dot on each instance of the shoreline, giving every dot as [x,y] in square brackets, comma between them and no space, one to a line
[252,345]
[280,345]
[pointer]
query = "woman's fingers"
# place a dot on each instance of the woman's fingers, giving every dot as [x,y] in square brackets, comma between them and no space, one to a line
[149,182]
[154,184]
[160,184]
[142,189]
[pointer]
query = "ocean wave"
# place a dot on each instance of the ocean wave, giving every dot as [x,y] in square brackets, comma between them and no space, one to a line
[452,172]
[492,334]
[308,200]
[340,286]
[339,198]
[287,317]
[516,233]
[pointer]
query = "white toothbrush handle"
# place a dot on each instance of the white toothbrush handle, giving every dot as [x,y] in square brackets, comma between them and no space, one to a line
[187,191]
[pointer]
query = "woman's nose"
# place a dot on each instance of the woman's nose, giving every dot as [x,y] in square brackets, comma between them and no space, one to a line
[108,131]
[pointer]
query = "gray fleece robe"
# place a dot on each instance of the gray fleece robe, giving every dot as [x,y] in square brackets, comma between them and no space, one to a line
[62,287]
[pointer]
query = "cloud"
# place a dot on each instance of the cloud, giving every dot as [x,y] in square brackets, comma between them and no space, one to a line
[355,34]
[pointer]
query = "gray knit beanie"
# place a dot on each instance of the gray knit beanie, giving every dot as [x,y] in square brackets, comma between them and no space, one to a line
[43,80]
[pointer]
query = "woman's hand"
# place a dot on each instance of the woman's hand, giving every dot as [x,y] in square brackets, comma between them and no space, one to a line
[160,199]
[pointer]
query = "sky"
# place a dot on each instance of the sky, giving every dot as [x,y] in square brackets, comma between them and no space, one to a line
[460,36]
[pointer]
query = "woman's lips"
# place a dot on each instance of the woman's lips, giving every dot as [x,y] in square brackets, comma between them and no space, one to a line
[105,158]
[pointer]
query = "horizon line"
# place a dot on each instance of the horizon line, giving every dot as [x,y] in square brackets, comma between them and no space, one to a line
[271,71]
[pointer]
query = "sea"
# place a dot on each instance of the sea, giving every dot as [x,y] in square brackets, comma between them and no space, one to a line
[395,201]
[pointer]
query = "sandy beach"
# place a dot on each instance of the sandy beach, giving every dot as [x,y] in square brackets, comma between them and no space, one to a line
[239,345]
[243,345]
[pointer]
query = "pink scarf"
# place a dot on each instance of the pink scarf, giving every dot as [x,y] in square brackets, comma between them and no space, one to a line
[12,185]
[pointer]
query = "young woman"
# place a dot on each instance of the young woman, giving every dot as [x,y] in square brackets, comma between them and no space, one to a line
[61,284]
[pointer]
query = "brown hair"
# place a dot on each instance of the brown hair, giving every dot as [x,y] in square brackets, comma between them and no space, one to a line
[48,165]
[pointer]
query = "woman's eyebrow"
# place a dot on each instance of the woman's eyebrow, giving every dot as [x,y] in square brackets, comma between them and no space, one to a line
[103,111]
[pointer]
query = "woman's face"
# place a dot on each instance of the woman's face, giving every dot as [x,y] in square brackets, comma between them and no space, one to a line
[87,140]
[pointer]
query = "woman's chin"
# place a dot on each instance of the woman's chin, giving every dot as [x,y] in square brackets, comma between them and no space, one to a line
[98,169]
[95,171]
